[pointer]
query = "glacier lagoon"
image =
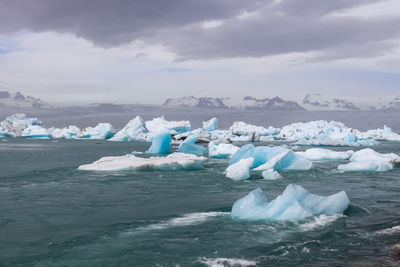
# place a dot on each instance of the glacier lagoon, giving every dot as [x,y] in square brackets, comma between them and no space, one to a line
[54,214]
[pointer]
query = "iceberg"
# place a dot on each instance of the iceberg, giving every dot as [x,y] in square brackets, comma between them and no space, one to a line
[328,142]
[134,130]
[175,127]
[240,170]
[219,150]
[189,147]
[318,154]
[385,134]
[15,124]
[369,160]
[210,125]
[175,161]
[271,174]
[36,131]
[295,203]
[277,158]
[5,133]
[101,131]
[160,143]
[70,132]
[242,128]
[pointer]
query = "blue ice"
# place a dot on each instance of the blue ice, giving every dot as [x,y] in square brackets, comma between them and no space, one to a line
[295,203]
[189,147]
[160,143]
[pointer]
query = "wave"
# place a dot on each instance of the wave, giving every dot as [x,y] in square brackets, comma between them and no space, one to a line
[320,221]
[388,231]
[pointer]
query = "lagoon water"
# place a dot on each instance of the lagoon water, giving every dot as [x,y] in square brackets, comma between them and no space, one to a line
[51,214]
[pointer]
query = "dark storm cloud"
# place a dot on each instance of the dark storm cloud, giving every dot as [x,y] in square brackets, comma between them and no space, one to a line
[278,27]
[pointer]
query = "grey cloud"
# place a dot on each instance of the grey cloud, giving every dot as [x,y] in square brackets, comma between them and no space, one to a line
[280,27]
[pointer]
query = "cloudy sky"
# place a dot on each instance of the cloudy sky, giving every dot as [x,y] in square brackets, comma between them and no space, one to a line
[131,51]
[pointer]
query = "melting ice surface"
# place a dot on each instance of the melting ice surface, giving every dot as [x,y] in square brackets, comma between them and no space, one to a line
[175,161]
[295,203]
[100,131]
[160,144]
[189,146]
[316,154]
[218,150]
[134,130]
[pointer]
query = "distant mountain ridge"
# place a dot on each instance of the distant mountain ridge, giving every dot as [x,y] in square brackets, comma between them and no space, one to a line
[196,102]
[21,101]
[276,103]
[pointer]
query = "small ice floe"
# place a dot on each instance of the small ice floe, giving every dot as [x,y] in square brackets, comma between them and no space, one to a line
[369,160]
[219,150]
[271,174]
[160,143]
[100,131]
[319,154]
[189,146]
[175,161]
[240,170]
[295,203]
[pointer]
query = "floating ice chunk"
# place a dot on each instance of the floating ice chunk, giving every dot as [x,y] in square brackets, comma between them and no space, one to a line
[15,124]
[368,142]
[366,165]
[161,143]
[325,142]
[175,127]
[316,154]
[242,128]
[175,161]
[211,125]
[295,203]
[6,133]
[70,132]
[270,174]
[245,151]
[216,150]
[189,147]
[36,131]
[101,131]
[386,134]
[240,170]
[369,160]
[134,130]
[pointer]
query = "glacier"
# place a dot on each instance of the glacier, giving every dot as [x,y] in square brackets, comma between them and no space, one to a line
[100,131]
[295,203]
[174,161]
[240,170]
[319,154]
[369,160]
[161,142]
[134,130]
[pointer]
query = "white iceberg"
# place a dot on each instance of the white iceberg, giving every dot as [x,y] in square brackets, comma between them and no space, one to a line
[210,125]
[242,128]
[189,147]
[100,131]
[134,130]
[240,170]
[161,142]
[385,134]
[369,160]
[318,154]
[329,142]
[219,150]
[70,132]
[271,174]
[36,131]
[15,124]
[175,161]
[175,127]
[295,203]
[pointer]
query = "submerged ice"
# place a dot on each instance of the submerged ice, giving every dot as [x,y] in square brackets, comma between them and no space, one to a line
[295,203]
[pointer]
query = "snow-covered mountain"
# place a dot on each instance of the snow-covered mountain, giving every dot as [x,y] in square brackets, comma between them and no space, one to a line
[276,103]
[21,101]
[196,102]
[322,102]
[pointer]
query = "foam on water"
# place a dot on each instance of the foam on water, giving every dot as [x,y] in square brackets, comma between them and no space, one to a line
[221,262]
[389,231]
[184,220]
[320,221]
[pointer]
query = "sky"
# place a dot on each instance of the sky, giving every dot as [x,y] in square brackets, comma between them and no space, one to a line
[131,51]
